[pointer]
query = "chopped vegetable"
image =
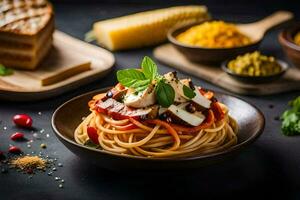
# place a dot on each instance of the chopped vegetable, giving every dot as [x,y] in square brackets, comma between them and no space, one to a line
[254,64]
[93,135]
[4,71]
[291,119]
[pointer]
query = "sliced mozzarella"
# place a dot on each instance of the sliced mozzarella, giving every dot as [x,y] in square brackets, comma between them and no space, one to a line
[177,86]
[141,100]
[201,100]
[189,118]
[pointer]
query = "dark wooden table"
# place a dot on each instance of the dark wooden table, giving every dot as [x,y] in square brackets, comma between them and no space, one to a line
[271,166]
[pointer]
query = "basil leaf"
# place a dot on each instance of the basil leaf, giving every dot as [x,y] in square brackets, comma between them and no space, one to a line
[149,68]
[140,85]
[128,77]
[165,94]
[188,92]
[4,71]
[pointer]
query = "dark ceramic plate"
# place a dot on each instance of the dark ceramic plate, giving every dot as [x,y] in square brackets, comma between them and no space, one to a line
[65,119]
[207,55]
[256,79]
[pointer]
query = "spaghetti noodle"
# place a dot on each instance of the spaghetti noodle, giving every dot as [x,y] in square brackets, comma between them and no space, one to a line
[158,138]
[150,115]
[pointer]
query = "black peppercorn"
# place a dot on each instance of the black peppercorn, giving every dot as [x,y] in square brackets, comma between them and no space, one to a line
[163,116]
[190,108]
[109,94]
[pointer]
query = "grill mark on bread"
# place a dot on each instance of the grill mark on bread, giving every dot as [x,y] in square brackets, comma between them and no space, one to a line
[26,17]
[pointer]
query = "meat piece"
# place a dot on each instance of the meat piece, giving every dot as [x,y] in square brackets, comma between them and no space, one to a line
[119,110]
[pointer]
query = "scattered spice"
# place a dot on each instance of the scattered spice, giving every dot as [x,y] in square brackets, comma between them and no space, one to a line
[28,163]
[271,106]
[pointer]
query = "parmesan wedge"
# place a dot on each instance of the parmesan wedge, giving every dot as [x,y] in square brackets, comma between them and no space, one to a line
[145,28]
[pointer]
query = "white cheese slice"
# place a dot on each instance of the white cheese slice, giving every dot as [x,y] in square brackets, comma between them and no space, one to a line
[201,100]
[144,99]
[187,117]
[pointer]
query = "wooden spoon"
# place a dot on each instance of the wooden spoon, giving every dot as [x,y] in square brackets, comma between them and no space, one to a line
[257,30]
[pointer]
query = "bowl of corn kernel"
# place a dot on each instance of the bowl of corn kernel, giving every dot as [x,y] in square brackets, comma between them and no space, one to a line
[211,42]
[289,39]
[255,68]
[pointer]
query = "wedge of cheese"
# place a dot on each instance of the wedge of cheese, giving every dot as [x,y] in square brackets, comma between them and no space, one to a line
[145,28]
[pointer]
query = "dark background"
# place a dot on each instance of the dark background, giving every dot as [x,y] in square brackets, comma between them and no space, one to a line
[270,168]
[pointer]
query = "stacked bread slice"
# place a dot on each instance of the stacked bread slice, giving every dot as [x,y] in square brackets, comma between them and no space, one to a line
[26,28]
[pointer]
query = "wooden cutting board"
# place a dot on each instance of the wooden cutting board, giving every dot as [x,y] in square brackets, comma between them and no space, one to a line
[70,64]
[168,55]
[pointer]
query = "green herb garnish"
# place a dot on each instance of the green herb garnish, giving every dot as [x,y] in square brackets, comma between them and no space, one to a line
[149,68]
[141,79]
[291,119]
[4,71]
[188,92]
[165,94]
[128,77]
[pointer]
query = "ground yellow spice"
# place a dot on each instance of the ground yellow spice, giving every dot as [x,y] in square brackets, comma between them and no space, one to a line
[297,38]
[214,34]
[29,162]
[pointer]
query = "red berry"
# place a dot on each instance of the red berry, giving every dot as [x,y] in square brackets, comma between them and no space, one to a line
[93,135]
[17,136]
[23,120]
[14,149]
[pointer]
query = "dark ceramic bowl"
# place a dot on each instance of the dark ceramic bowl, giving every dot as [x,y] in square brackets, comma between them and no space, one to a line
[207,55]
[67,117]
[291,49]
[255,79]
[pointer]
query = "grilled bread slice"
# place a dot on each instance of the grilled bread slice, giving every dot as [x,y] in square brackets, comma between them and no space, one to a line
[26,28]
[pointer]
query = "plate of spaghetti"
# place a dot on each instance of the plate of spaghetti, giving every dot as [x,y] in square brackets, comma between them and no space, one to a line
[153,121]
